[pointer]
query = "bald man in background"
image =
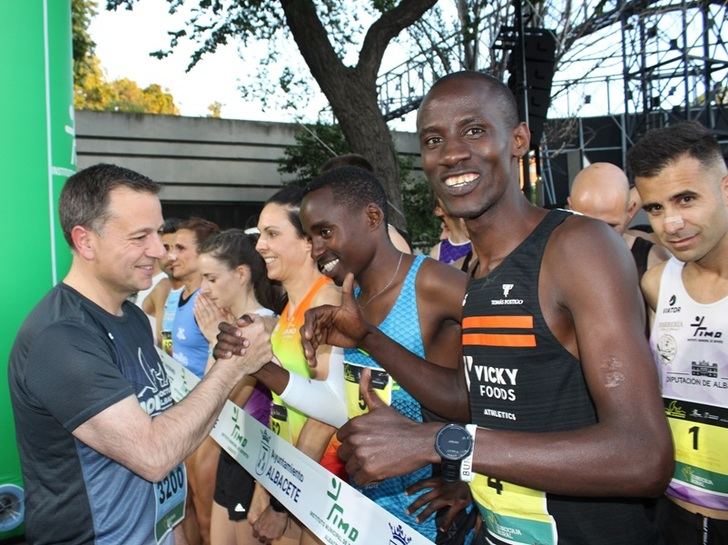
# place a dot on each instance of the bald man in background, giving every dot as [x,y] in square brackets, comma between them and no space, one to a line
[601,191]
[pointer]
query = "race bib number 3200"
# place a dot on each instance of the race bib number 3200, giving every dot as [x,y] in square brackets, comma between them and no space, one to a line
[170,495]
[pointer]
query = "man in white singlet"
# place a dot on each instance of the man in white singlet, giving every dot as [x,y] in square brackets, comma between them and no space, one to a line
[683,181]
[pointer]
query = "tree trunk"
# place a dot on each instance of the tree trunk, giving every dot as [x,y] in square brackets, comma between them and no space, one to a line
[352,92]
[356,107]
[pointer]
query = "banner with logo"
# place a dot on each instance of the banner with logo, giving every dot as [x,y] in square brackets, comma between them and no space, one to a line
[334,511]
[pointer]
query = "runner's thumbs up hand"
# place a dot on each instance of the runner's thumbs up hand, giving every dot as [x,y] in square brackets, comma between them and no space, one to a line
[383,443]
[342,325]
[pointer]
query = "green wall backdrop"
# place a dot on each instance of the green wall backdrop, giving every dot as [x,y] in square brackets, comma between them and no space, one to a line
[38,154]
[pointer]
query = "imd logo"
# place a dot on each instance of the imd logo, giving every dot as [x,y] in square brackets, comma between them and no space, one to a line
[264,454]
[237,435]
[336,514]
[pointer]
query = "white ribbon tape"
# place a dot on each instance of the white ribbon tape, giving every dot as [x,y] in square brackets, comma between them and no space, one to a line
[334,511]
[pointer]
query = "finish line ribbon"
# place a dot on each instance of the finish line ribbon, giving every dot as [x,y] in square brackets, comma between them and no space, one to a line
[334,511]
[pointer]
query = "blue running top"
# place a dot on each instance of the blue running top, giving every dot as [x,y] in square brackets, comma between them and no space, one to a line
[402,324]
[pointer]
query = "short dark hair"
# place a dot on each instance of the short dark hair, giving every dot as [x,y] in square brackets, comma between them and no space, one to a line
[290,197]
[354,187]
[659,147]
[202,228]
[503,95]
[346,160]
[170,225]
[84,198]
[234,248]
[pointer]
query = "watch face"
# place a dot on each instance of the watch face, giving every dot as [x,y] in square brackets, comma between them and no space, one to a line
[453,442]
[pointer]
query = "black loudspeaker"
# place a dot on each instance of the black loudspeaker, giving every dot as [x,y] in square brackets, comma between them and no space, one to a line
[540,53]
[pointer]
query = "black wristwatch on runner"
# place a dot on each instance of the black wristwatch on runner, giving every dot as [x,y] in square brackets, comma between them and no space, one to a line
[453,443]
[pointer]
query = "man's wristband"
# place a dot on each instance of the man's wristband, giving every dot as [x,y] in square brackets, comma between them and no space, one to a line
[277,506]
[466,466]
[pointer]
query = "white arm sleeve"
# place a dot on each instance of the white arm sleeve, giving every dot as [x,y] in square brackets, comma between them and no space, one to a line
[323,400]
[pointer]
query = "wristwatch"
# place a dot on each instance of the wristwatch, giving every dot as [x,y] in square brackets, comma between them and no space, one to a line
[453,443]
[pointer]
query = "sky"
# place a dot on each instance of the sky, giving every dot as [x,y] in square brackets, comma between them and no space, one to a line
[125,38]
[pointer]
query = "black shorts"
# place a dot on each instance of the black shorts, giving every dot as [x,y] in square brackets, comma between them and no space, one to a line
[234,487]
[681,527]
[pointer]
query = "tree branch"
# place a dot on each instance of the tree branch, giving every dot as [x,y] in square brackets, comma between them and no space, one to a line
[313,41]
[387,27]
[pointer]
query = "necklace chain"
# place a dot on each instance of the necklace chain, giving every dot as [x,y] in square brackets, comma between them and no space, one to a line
[380,292]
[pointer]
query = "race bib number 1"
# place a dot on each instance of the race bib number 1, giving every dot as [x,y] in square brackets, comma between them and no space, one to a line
[170,495]
[381,384]
[513,514]
[700,435]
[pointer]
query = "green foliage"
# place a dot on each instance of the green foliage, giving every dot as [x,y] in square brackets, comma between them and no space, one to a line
[127,96]
[82,11]
[315,144]
[423,226]
[215,22]
[91,91]
[279,82]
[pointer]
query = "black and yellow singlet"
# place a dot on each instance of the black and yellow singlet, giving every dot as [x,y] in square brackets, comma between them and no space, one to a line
[521,378]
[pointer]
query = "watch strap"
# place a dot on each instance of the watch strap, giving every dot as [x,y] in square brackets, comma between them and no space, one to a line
[450,470]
